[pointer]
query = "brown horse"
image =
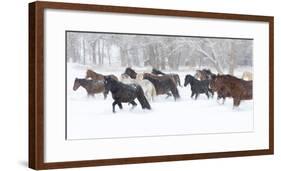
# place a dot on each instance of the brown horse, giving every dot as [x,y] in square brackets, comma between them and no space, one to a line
[97,76]
[91,86]
[230,86]
[163,84]
[176,77]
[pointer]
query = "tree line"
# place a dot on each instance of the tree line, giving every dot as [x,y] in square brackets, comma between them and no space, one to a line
[161,52]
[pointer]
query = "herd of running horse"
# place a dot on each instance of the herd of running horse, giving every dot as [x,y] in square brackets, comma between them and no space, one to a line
[145,86]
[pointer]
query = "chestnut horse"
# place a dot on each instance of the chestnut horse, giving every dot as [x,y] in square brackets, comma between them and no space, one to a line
[97,76]
[230,86]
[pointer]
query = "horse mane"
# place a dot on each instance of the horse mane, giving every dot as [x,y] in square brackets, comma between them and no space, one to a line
[83,80]
[207,70]
[192,80]
[113,80]
[156,71]
[130,69]
[229,77]
[90,71]
[152,75]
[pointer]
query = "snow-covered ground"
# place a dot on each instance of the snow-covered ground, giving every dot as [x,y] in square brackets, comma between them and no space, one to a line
[90,118]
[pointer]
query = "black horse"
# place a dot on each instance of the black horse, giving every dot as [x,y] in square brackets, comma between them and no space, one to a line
[176,77]
[198,87]
[125,93]
[132,73]
[163,84]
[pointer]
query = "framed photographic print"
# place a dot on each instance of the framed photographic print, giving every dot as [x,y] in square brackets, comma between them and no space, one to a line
[120,85]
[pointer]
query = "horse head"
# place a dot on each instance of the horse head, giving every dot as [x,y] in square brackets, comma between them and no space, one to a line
[188,79]
[108,83]
[76,84]
[215,82]
[129,71]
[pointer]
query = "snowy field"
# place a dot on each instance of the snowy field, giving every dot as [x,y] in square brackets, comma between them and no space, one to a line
[92,118]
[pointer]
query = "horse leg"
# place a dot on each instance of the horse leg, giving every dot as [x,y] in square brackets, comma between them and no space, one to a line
[104,95]
[192,94]
[207,94]
[134,104]
[113,106]
[218,99]
[196,96]
[91,95]
[211,91]
[236,102]
[120,105]
[179,82]
[168,95]
[223,100]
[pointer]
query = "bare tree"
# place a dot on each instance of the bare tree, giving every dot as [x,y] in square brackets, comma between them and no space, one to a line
[162,52]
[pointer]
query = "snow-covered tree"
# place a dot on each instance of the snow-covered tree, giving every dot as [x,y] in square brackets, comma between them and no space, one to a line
[162,52]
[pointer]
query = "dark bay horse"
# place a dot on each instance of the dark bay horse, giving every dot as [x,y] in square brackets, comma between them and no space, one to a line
[197,86]
[125,93]
[163,84]
[176,77]
[230,86]
[96,76]
[91,86]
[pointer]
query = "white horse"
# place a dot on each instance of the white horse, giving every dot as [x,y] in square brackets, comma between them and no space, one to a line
[247,76]
[148,88]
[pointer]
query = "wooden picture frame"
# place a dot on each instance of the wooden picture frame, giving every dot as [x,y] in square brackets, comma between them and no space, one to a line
[36,84]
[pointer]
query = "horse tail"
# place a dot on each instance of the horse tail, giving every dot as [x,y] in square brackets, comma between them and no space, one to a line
[179,80]
[142,99]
